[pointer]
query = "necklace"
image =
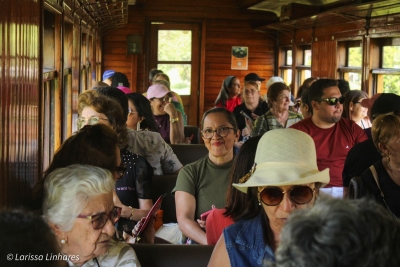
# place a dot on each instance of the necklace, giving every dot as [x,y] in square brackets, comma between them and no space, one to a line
[159,125]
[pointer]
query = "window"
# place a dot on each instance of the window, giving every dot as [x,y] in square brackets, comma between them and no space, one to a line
[49,89]
[387,79]
[304,68]
[174,56]
[286,67]
[350,63]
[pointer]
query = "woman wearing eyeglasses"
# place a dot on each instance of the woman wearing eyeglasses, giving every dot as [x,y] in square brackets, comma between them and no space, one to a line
[140,117]
[253,106]
[353,110]
[279,116]
[287,178]
[133,189]
[203,184]
[78,206]
[168,118]
[381,181]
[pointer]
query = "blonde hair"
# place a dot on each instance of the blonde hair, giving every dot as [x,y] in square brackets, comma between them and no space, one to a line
[384,127]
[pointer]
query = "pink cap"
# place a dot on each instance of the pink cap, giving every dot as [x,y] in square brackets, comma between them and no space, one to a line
[124,89]
[157,91]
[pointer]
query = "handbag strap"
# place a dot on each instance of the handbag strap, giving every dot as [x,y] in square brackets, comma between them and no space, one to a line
[375,175]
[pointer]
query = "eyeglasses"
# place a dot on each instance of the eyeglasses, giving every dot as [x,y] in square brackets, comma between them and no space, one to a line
[167,99]
[121,169]
[222,132]
[272,196]
[250,92]
[131,112]
[332,101]
[99,220]
[91,121]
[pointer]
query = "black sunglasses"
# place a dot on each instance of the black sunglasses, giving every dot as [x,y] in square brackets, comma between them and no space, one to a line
[272,196]
[332,101]
[99,220]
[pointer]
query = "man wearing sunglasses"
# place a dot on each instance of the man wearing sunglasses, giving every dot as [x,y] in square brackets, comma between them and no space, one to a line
[333,135]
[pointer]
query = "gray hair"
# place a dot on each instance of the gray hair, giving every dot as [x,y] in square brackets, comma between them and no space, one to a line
[356,233]
[69,189]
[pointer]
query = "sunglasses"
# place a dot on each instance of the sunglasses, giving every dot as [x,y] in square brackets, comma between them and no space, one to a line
[166,99]
[332,101]
[272,196]
[121,169]
[99,220]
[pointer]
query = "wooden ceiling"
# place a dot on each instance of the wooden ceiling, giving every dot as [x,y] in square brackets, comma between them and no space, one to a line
[108,14]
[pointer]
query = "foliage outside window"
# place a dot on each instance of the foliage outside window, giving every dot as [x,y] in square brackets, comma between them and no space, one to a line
[174,58]
[389,82]
[354,60]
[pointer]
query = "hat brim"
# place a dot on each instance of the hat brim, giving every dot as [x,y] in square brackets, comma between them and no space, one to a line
[282,174]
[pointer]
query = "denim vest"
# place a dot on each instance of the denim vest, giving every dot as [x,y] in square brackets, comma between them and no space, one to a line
[244,242]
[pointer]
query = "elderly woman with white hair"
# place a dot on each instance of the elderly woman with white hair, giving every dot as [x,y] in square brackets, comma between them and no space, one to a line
[78,206]
[287,178]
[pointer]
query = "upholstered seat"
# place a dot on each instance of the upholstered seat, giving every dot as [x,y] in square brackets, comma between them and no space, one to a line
[188,153]
[160,255]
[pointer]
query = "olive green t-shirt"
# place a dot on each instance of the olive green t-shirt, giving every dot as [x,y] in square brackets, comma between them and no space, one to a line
[207,182]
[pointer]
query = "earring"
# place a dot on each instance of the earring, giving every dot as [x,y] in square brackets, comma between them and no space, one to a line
[63,241]
[138,126]
[259,203]
[388,158]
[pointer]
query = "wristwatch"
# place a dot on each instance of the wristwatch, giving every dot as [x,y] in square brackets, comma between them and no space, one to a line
[174,120]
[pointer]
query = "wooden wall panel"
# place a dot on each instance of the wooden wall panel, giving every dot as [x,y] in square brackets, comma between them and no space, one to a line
[324,59]
[19,99]
[222,29]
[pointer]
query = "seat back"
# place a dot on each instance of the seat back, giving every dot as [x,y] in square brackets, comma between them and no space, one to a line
[190,130]
[188,153]
[354,187]
[164,184]
[160,255]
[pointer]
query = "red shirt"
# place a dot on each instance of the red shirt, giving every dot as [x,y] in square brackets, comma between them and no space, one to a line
[215,224]
[231,103]
[332,145]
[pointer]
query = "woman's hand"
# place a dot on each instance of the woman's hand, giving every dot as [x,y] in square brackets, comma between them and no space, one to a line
[246,132]
[202,223]
[170,110]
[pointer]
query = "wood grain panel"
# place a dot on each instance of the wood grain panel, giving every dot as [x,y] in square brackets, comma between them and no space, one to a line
[324,59]
[19,98]
[223,28]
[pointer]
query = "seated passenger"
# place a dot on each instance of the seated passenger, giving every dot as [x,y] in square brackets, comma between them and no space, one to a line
[229,95]
[78,206]
[287,178]
[204,183]
[305,105]
[239,205]
[353,110]
[146,143]
[25,235]
[338,233]
[279,116]
[140,117]
[134,186]
[176,99]
[381,181]
[168,119]
[253,106]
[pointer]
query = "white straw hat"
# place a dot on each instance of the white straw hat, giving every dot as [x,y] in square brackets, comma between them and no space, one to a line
[285,157]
